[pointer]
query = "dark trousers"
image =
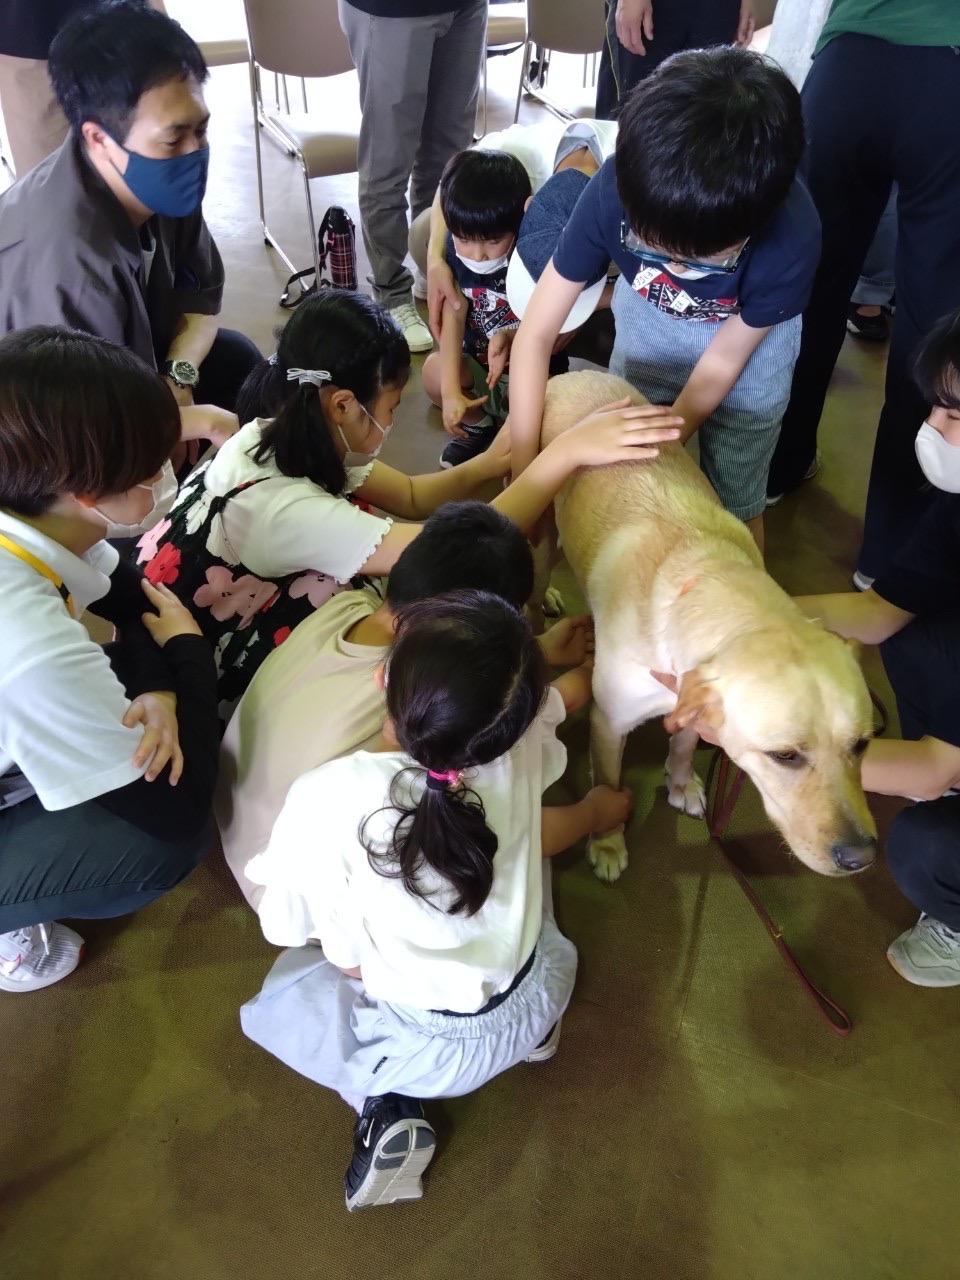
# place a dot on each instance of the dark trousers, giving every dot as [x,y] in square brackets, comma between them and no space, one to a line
[878,113]
[677,25]
[84,863]
[923,853]
[222,374]
[922,663]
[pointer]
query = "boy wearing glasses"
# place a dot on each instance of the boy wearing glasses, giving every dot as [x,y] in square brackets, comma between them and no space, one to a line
[717,243]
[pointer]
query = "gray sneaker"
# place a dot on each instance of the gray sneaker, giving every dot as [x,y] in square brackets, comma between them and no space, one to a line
[928,955]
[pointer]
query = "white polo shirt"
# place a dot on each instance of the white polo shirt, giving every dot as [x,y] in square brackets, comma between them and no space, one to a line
[61,706]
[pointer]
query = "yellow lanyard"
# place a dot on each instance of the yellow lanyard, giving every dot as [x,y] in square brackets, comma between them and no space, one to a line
[22,554]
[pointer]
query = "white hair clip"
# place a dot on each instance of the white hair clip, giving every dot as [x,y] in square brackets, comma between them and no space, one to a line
[317,376]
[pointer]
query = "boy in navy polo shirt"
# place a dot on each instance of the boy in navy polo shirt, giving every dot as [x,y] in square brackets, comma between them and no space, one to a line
[717,243]
[482,197]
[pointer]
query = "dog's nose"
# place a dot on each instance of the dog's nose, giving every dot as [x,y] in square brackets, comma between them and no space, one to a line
[854,855]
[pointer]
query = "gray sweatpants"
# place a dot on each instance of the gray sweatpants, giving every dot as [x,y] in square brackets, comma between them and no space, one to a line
[419,85]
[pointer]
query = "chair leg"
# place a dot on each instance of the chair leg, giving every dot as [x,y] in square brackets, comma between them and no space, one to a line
[523,72]
[286,95]
[256,107]
[483,130]
[303,90]
[310,219]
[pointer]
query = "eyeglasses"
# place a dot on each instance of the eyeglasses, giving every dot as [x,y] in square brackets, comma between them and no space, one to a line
[633,244]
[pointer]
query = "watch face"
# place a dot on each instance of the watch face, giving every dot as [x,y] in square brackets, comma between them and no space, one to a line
[184,372]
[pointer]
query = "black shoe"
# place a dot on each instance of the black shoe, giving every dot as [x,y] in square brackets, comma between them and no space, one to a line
[392,1145]
[868,328]
[478,439]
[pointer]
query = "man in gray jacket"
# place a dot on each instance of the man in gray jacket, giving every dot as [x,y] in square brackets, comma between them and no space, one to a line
[107,234]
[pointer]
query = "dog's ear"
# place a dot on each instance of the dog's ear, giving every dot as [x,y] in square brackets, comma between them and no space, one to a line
[698,700]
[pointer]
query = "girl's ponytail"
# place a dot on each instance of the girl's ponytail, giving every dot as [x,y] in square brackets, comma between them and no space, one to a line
[466,678]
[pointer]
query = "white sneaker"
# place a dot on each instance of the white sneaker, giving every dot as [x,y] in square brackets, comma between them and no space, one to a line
[928,955]
[419,285]
[418,336]
[548,1046]
[38,956]
[861,581]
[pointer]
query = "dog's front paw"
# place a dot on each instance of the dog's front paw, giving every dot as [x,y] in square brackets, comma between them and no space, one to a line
[608,855]
[690,799]
[553,603]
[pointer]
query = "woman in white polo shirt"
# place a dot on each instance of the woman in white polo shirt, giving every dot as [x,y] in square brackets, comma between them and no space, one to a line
[108,756]
[441,965]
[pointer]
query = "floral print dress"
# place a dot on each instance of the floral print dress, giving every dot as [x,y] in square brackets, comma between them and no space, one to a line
[244,617]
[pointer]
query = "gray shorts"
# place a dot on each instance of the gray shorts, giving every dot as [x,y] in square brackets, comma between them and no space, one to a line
[656,353]
[326,1026]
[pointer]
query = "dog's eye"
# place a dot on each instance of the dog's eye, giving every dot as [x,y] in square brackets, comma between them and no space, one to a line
[860,746]
[792,759]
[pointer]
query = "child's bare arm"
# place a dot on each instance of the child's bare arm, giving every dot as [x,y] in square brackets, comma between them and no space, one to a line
[716,372]
[575,686]
[601,809]
[546,312]
[454,403]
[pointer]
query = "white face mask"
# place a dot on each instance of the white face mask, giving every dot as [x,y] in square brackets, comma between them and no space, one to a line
[164,493]
[488,268]
[691,273]
[939,460]
[351,457]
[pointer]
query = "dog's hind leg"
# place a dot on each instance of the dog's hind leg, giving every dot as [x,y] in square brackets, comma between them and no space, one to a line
[607,850]
[685,790]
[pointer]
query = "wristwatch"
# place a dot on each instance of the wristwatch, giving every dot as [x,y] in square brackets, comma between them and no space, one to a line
[182,372]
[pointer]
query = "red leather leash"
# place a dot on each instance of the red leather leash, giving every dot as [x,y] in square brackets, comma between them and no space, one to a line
[721,803]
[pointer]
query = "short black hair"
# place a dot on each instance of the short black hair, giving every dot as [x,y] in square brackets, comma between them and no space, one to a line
[707,149]
[482,194]
[78,414]
[463,546]
[937,368]
[108,56]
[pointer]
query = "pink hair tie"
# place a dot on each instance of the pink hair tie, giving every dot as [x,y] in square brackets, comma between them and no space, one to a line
[438,781]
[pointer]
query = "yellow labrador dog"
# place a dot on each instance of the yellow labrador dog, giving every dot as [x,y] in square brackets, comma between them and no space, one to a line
[676,584]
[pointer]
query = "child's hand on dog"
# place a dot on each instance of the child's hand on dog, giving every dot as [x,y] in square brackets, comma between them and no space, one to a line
[622,432]
[611,807]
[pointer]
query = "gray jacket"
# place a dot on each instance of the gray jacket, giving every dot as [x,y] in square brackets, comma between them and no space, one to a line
[70,255]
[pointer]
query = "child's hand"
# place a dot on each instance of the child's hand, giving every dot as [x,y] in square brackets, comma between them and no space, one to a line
[498,353]
[621,432]
[568,642]
[455,409]
[610,808]
[171,618]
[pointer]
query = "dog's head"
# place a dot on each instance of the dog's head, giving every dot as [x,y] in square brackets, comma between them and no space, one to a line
[790,706]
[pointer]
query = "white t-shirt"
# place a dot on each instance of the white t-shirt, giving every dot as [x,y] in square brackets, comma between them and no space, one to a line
[313,699]
[285,524]
[536,146]
[61,706]
[320,884]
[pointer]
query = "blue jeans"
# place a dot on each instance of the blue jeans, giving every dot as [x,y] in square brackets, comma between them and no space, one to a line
[876,286]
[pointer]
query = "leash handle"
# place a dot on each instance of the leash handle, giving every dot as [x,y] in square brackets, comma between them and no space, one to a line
[720,806]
